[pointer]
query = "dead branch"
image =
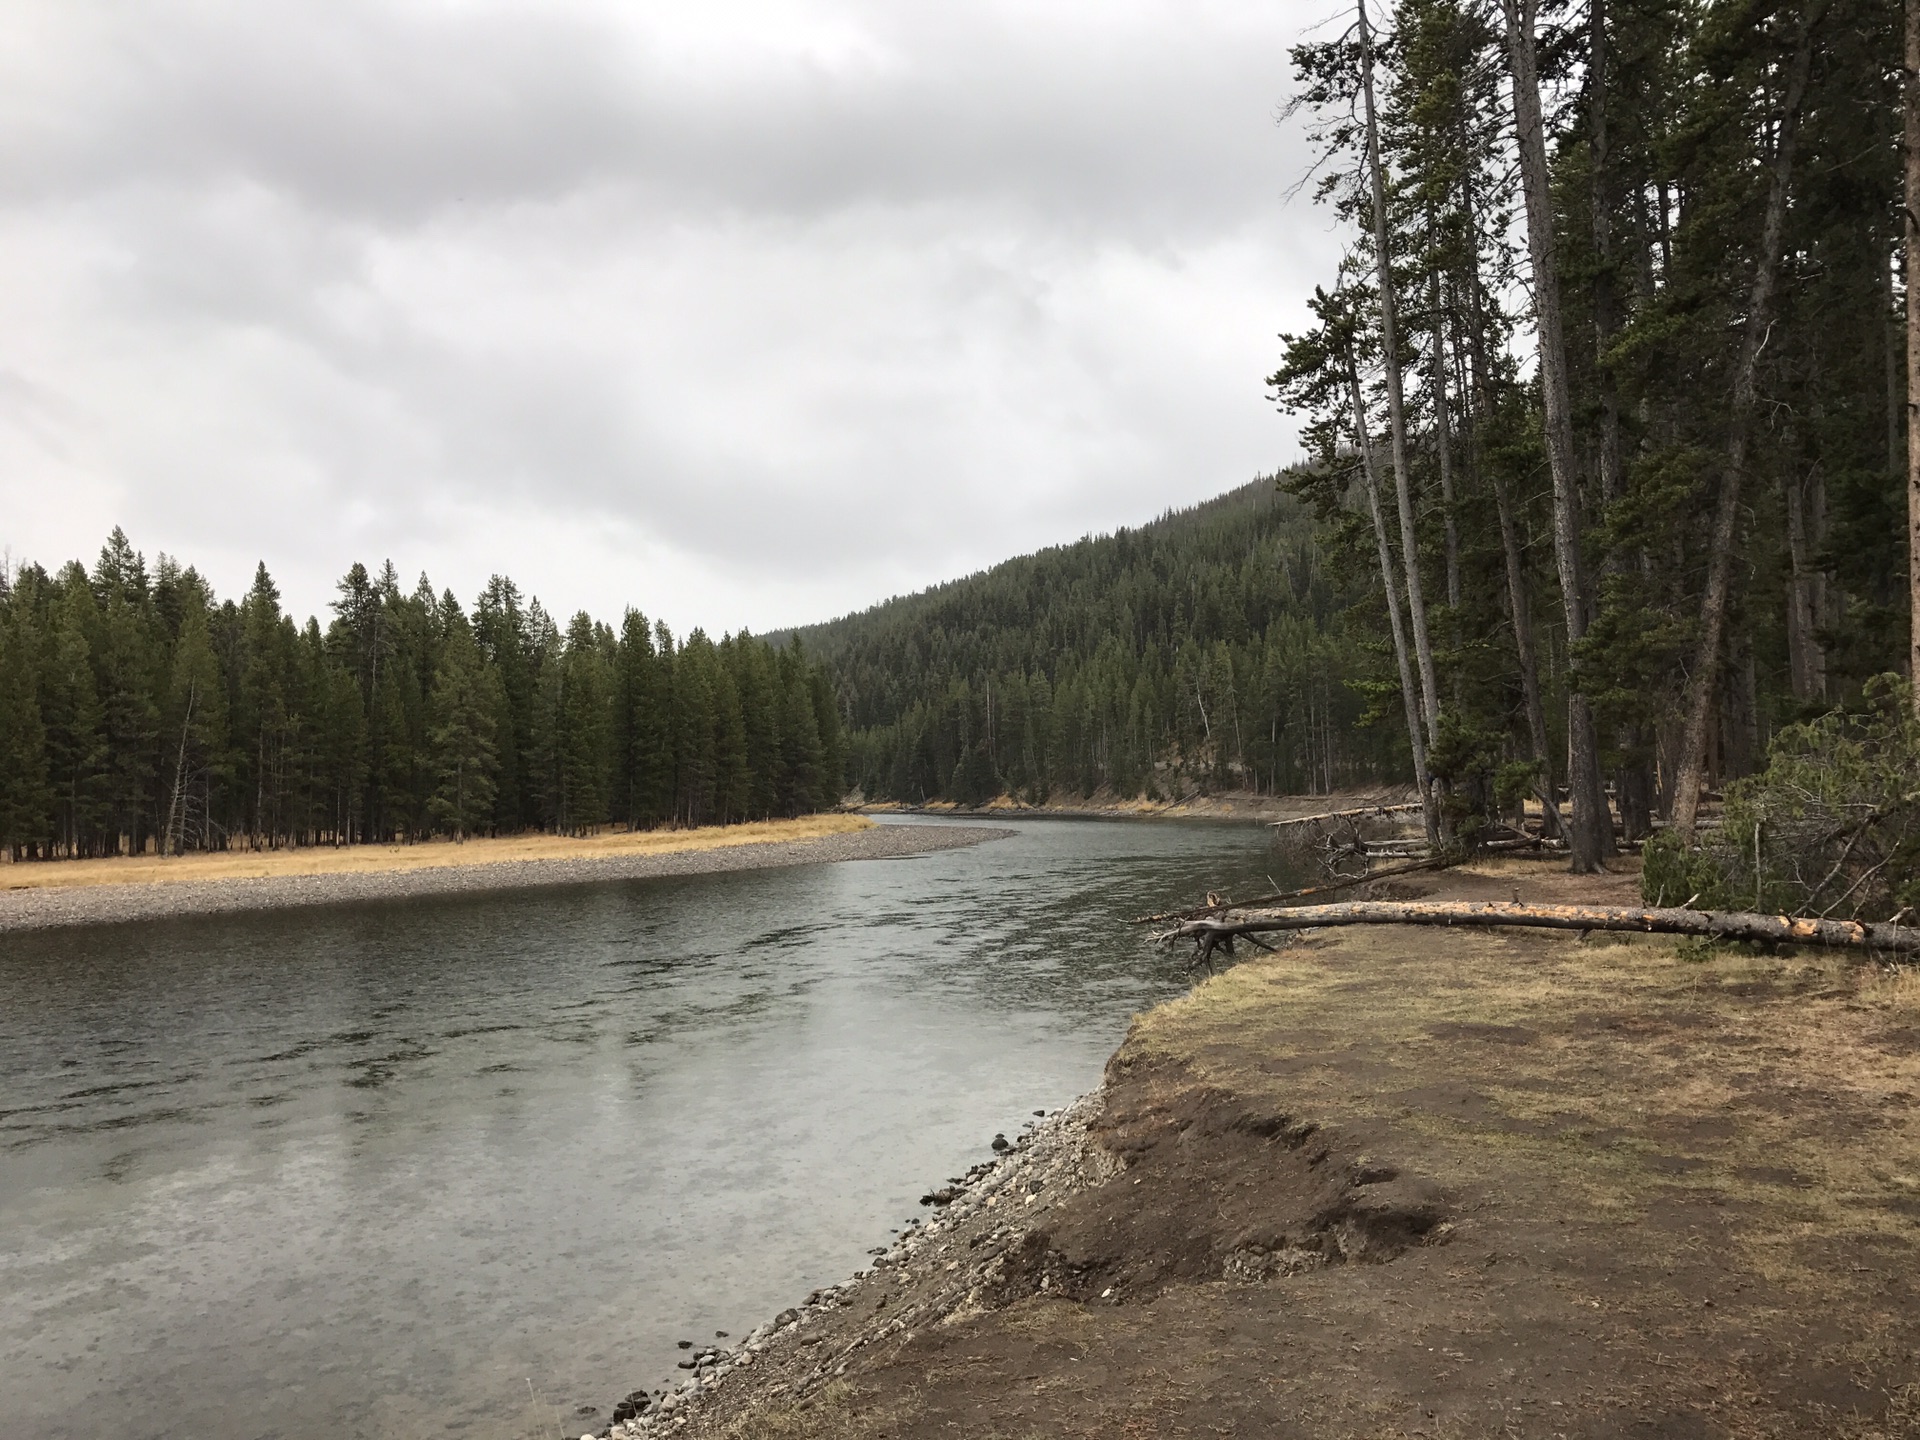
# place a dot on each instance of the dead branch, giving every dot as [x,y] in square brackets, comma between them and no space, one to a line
[1207,933]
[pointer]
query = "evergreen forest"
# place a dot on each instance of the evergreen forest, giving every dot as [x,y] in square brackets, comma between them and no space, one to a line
[1605,421]
[1609,390]
[1212,648]
[1605,413]
[140,712]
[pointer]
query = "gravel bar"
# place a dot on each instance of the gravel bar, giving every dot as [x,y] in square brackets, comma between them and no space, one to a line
[56,906]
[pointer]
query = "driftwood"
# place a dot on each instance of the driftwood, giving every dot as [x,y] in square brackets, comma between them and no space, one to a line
[1218,905]
[1363,812]
[1215,932]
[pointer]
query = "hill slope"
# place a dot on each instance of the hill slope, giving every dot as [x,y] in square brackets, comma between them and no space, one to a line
[1207,648]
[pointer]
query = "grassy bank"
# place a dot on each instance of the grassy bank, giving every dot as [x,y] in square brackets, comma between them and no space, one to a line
[427,855]
[1418,1183]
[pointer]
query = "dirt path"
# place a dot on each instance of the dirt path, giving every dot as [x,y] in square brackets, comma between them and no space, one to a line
[1407,1183]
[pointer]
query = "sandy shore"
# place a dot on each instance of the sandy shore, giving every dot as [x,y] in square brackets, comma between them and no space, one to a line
[443,870]
[1393,1184]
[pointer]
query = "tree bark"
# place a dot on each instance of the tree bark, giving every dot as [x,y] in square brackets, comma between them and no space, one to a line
[1709,924]
[1389,580]
[1713,607]
[1912,107]
[1519,605]
[1806,662]
[1443,446]
[1396,398]
[1605,294]
[1590,835]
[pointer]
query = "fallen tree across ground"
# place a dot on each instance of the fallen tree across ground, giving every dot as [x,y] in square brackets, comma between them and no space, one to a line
[1218,931]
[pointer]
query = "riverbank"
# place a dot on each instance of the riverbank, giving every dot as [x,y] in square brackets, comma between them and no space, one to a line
[1105,805]
[1396,1183]
[92,892]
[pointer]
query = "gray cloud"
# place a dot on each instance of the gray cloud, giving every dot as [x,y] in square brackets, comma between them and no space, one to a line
[745,313]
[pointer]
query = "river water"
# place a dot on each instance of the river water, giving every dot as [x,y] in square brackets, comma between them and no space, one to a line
[459,1166]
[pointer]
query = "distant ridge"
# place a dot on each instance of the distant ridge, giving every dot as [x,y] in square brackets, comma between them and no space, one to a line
[1200,649]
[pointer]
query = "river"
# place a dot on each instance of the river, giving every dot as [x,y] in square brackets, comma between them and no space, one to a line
[461,1166]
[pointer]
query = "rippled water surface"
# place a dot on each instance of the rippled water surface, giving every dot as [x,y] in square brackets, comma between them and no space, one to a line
[460,1166]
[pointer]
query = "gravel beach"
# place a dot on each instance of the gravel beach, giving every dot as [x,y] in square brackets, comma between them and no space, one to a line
[45,909]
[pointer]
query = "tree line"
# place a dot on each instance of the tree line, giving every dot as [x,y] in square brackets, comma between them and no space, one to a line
[139,712]
[1608,391]
[1212,648]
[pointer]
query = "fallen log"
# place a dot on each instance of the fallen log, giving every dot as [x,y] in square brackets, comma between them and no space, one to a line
[1362,812]
[1347,882]
[1210,932]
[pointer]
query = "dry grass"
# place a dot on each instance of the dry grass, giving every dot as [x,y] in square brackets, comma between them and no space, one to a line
[1634,1071]
[366,859]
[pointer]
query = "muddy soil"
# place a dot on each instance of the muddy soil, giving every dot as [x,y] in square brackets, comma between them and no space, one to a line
[1416,1183]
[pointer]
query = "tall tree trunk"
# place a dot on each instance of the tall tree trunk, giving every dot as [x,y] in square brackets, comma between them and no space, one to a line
[1890,348]
[1806,662]
[168,845]
[1605,318]
[1590,835]
[1713,607]
[1519,605]
[1390,581]
[1396,399]
[1913,342]
[1443,444]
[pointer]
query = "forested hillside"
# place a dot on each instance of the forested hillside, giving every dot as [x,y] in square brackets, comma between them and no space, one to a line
[138,710]
[1609,391]
[1210,648]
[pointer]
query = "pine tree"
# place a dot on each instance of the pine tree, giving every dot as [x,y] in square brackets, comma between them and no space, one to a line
[193,733]
[464,704]
[26,796]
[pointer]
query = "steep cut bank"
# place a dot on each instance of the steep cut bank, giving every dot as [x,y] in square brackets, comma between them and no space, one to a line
[1387,1183]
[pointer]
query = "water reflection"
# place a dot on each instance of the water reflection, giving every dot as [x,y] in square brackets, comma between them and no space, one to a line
[461,1165]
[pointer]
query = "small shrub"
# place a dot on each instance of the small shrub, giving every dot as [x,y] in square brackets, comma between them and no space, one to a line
[1831,827]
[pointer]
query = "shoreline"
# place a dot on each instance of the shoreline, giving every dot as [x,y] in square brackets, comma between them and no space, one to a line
[1390,1184]
[1241,806]
[62,906]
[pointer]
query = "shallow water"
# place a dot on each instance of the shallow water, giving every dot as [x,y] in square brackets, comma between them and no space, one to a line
[459,1166]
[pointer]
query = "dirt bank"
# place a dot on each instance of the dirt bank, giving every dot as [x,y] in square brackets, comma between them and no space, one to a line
[1104,805]
[833,838]
[1408,1183]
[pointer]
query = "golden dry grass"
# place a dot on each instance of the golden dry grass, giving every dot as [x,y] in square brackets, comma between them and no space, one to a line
[1631,1052]
[365,859]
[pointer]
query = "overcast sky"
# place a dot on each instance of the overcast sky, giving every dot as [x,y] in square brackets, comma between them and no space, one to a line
[744,313]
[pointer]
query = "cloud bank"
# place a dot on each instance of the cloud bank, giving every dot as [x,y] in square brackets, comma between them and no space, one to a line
[747,314]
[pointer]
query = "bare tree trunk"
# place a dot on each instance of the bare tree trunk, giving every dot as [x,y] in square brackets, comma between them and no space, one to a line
[1211,931]
[1713,607]
[1890,348]
[1443,444]
[167,843]
[1416,732]
[1605,320]
[1806,662]
[1590,836]
[1396,399]
[1913,340]
[1519,606]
